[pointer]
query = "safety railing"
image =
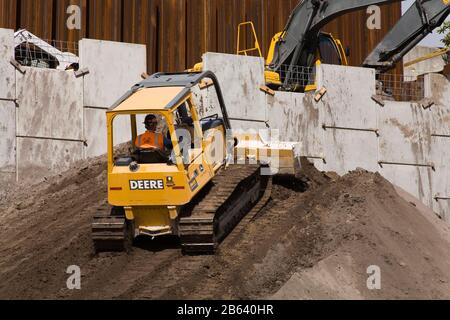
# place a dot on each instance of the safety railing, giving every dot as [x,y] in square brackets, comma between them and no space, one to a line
[303,78]
[51,54]
[400,88]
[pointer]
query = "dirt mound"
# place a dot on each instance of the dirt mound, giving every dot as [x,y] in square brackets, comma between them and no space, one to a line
[314,239]
[366,222]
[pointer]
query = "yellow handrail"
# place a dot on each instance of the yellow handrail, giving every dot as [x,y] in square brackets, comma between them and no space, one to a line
[432,55]
[255,37]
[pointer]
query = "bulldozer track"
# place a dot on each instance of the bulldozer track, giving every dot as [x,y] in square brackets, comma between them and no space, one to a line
[251,216]
[233,192]
[109,230]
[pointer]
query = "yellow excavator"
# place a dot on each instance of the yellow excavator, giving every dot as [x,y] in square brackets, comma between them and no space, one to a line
[295,52]
[199,186]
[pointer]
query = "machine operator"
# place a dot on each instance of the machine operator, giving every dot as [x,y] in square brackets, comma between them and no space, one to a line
[151,139]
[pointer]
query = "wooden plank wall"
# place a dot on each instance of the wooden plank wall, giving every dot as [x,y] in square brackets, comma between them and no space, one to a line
[177,32]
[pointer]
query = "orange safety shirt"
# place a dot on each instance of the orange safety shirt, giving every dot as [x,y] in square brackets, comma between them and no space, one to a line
[149,140]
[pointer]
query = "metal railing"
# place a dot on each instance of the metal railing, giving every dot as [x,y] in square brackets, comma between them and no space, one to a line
[300,78]
[397,87]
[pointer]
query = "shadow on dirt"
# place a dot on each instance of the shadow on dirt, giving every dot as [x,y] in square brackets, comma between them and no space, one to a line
[157,244]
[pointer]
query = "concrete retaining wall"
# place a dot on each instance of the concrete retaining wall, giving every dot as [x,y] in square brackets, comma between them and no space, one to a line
[439,91]
[114,68]
[349,118]
[8,139]
[95,131]
[40,158]
[58,118]
[240,81]
[346,130]
[7,72]
[7,109]
[50,104]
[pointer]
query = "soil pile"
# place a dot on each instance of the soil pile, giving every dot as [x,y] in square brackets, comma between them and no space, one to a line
[314,239]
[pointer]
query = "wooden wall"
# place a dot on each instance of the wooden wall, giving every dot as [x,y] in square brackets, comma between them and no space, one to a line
[177,32]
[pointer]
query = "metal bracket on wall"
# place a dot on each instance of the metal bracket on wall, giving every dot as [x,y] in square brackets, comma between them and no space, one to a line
[317,158]
[267,90]
[378,99]
[251,120]
[84,142]
[376,131]
[81,72]
[14,100]
[439,198]
[440,135]
[430,165]
[426,103]
[18,66]
[319,94]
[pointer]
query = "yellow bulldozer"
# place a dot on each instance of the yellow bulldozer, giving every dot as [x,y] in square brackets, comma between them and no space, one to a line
[199,185]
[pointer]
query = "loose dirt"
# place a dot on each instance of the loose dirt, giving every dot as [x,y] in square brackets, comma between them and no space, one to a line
[314,239]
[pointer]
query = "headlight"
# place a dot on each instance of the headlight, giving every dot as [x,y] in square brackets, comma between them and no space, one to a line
[134,166]
[169,181]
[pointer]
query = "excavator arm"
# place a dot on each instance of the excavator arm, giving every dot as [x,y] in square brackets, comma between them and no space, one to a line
[298,44]
[419,21]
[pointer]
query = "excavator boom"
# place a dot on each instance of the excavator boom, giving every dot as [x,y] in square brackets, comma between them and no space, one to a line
[418,22]
[316,13]
[299,42]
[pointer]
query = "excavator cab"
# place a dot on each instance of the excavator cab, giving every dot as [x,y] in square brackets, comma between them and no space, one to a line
[329,50]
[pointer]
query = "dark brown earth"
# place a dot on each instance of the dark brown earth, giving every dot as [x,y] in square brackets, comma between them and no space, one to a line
[314,239]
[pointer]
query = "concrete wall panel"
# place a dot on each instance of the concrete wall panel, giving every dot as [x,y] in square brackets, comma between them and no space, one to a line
[95,131]
[7,71]
[240,78]
[438,90]
[349,105]
[113,69]
[7,136]
[298,118]
[441,177]
[440,142]
[348,150]
[6,180]
[39,158]
[207,101]
[415,180]
[50,104]
[405,131]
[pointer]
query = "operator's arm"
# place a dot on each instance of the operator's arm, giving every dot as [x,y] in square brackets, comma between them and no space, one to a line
[136,142]
[168,142]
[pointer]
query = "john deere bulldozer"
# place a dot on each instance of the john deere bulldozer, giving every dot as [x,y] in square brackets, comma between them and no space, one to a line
[193,188]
